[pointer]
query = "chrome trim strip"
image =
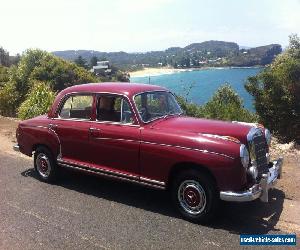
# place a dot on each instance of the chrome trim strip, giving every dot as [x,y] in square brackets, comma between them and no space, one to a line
[222,137]
[37,126]
[115,139]
[100,169]
[165,145]
[115,174]
[100,122]
[187,148]
[71,119]
[256,125]
[116,123]
[153,181]
[52,130]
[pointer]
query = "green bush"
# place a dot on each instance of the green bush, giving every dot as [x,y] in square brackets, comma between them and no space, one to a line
[189,108]
[8,99]
[37,65]
[38,101]
[276,93]
[4,77]
[40,65]
[224,105]
[227,105]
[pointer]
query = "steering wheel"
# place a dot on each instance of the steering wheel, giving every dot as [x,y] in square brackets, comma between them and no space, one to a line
[144,114]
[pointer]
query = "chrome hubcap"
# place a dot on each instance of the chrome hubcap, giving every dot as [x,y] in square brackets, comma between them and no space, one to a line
[43,165]
[192,197]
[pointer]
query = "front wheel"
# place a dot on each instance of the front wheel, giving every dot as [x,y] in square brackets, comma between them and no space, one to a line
[44,164]
[195,196]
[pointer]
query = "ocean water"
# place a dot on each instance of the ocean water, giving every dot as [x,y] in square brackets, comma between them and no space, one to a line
[204,82]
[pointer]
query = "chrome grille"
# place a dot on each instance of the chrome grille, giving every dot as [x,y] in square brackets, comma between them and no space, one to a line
[258,149]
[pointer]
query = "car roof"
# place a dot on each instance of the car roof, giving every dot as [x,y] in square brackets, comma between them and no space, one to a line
[123,88]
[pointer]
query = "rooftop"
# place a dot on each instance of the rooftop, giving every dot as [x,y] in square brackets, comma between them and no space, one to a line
[123,88]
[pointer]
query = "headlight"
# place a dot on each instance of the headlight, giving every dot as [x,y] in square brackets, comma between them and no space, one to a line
[268,136]
[244,154]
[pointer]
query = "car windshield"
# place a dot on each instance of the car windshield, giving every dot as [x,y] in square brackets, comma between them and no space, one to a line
[154,105]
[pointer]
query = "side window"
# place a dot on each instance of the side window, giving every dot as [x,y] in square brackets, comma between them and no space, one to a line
[114,109]
[78,107]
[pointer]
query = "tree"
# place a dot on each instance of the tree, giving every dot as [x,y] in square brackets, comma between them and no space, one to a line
[38,101]
[39,66]
[4,76]
[81,62]
[227,105]
[8,99]
[93,61]
[14,60]
[276,93]
[4,57]
[224,105]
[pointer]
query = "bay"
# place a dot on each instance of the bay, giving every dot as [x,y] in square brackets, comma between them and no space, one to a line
[204,82]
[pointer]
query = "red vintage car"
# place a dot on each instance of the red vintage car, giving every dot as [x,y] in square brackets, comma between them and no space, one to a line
[138,133]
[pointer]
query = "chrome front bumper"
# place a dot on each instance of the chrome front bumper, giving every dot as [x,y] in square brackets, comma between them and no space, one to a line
[16,148]
[259,190]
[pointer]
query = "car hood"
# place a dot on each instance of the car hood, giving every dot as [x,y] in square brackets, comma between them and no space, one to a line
[204,126]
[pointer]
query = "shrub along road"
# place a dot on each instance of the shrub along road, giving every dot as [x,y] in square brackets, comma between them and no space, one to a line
[82,211]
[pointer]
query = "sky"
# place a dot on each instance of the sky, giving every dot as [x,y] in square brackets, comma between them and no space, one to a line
[143,25]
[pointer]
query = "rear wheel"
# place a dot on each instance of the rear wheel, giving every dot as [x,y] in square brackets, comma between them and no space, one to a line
[44,164]
[195,195]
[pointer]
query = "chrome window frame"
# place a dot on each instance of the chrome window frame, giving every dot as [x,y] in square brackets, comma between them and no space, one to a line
[63,101]
[111,122]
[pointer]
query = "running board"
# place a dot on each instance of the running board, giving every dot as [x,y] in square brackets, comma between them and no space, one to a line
[111,174]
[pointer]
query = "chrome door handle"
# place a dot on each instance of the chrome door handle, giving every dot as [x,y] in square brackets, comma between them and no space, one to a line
[94,132]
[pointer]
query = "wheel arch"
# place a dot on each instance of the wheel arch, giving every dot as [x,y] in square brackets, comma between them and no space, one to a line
[185,166]
[37,145]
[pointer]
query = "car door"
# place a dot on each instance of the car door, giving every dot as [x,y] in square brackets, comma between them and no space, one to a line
[72,127]
[115,135]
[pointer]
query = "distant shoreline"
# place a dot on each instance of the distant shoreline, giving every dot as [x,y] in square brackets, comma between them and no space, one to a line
[146,72]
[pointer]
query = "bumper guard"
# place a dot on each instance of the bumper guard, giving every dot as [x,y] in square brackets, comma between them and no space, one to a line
[259,190]
[16,148]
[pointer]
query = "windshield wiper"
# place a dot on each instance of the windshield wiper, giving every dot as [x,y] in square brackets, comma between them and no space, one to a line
[171,115]
[164,117]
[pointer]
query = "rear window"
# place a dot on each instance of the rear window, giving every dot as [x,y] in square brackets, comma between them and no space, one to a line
[77,107]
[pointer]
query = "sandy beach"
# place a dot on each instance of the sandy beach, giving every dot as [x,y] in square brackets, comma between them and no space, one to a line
[155,71]
[165,70]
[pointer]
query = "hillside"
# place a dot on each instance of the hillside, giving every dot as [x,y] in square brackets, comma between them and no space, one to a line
[208,53]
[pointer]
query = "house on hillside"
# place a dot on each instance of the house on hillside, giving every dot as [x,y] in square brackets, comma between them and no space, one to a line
[102,68]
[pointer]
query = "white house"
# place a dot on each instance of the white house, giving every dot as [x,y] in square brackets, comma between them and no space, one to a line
[101,67]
